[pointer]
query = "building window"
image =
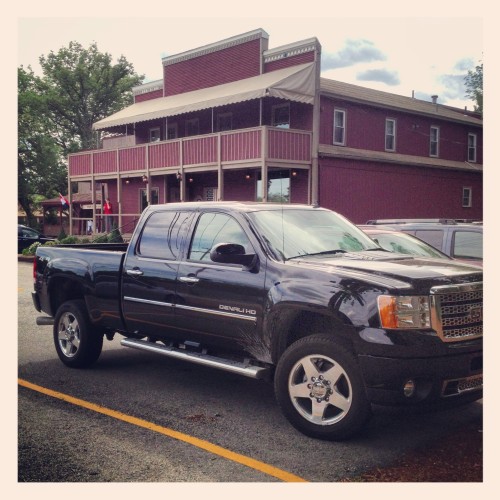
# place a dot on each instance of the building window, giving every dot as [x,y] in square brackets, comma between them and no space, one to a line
[278,186]
[281,116]
[390,134]
[210,194]
[467,197]
[472,147]
[224,122]
[434,141]
[339,127]
[143,198]
[172,131]
[154,134]
[192,127]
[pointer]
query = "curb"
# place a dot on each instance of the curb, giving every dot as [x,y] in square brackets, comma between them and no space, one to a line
[25,258]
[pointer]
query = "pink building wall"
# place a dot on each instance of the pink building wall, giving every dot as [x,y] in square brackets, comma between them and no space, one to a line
[287,62]
[215,68]
[365,129]
[148,95]
[369,190]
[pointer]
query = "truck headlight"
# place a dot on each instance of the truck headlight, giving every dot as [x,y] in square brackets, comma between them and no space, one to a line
[404,312]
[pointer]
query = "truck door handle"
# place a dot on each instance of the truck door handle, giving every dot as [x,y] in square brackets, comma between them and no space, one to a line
[189,279]
[134,272]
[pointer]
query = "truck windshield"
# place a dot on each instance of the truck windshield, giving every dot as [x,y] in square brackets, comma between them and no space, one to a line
[296,233]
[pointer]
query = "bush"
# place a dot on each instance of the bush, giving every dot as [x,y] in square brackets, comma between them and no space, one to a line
[68,240]
[62,234]
[115,236]
[31,250]
[103,238]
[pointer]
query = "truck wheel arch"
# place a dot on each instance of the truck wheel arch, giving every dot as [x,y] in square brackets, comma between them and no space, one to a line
[293,325]
[63,289]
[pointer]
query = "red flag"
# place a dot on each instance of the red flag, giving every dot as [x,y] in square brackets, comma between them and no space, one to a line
[64,201]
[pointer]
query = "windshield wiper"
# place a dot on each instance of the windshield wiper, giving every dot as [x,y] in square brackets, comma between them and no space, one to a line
[326,252]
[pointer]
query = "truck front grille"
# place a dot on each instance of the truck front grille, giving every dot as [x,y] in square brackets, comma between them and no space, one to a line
[457,311]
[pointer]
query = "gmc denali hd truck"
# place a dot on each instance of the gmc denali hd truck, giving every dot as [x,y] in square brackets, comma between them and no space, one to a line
[293,294]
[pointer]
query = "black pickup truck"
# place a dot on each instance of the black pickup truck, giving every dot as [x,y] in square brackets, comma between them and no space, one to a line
[295,294]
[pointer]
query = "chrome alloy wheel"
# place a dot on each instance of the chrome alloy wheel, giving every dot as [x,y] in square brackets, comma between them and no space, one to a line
[69,334]
[320,389]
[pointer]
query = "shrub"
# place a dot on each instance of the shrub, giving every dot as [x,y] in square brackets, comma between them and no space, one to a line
[115,236]
[68,240]
[103,238]
[62,234]
[31,250]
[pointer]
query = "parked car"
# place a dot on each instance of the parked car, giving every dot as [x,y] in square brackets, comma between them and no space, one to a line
[404,243]
[26,236]
[460,240]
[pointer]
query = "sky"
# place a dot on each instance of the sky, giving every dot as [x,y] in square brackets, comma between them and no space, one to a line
[405,55]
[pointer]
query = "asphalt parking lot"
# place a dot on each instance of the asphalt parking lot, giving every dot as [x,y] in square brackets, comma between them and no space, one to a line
[136,417]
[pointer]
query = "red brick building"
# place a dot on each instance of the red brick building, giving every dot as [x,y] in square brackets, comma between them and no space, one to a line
[233,117]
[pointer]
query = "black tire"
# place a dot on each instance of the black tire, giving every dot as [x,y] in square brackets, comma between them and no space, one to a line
[319,389]
[77,345]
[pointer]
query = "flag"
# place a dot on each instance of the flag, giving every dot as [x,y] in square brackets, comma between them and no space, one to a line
[64,201]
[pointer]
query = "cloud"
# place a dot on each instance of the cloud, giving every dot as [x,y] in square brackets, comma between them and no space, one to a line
[454,86]
[354,51]
[379,75]
[464,64]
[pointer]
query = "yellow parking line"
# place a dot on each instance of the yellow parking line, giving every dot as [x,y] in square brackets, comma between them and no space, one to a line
[199,443]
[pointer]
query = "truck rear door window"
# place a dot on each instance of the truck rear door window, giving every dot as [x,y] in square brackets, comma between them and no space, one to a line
[434,238]
[163,234]
[468,245]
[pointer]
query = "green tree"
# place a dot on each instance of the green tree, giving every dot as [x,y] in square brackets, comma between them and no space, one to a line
[56,111]
[40,169]
[474,87]
[82,86]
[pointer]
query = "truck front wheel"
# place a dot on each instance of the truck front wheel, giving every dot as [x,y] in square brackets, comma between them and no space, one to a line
[319,389]
[76,344]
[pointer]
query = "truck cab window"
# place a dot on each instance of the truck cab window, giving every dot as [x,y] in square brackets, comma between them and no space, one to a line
[162,235]
[214,228]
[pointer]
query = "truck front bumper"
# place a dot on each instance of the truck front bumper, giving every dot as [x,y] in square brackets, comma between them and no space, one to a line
[403,381]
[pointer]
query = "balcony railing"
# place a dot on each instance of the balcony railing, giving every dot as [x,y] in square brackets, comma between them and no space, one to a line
[255,144]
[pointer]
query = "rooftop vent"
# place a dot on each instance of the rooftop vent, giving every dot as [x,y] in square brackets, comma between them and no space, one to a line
[434,99]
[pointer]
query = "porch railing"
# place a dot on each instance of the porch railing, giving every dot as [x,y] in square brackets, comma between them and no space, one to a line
[255,144]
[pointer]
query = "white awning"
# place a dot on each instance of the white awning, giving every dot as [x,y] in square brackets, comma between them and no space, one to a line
[295,84]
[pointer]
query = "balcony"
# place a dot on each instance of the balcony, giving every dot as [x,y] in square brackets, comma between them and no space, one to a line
[243,147]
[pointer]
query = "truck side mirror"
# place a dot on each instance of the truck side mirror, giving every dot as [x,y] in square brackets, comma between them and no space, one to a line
[232,253]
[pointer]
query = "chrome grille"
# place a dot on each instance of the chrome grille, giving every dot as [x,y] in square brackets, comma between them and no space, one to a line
[457,311]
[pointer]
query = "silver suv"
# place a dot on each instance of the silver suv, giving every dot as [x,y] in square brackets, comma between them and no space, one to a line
[462,240]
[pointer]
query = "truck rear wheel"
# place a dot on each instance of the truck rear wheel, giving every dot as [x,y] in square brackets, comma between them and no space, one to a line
[76,344]
[319,389]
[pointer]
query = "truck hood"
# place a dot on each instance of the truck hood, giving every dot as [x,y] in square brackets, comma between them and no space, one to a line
[394,269]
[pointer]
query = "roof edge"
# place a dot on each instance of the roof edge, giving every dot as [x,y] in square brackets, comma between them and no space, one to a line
[216,46]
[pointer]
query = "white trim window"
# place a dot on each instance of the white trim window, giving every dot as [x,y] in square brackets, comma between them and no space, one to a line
[172,131]
[281,115]
[467,197]
[224,122]
[390,134]
[192,127]
[472,148]
[434,141]
[154,134]
[339,116]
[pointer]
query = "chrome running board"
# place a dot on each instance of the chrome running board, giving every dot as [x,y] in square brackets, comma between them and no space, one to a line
[241,368]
